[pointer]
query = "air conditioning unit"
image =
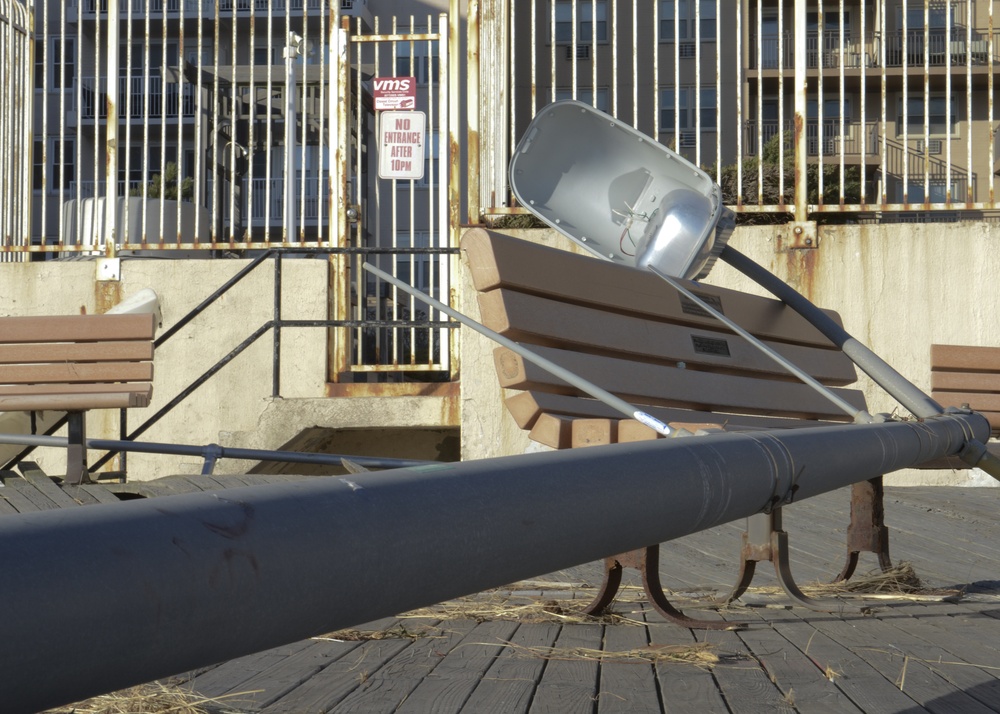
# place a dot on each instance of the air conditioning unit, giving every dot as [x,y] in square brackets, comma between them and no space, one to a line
[933,146]
[688,139]
[686,49]
[582,52]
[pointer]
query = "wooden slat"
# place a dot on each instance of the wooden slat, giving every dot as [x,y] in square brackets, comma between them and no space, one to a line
[977,400]
[593,432]
[527,408]
[537,320]
[76,402]
[76,372]
[668,386]
[498,261]
[15,390]
[77,328]
[552,430]
[962,357]
[965,381]
[76,352]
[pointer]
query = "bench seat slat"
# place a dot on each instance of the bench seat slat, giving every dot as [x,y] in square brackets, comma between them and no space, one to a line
[527,407]
[76,402]
[15,390]
[668,386]
[537,320]
[76,352]
[77,328]
[79,372]
[965,381]
[965,358]
[980,401]
[498,261]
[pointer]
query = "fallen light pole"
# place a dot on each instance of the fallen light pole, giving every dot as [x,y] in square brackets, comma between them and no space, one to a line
[102,597]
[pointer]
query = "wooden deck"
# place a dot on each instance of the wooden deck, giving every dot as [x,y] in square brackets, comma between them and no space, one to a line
[937,651]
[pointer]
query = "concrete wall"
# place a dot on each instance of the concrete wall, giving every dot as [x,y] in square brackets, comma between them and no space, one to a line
[899,288]
[236,399]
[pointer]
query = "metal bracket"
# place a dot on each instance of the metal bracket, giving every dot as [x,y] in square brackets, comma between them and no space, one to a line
[109,269]
[799,235]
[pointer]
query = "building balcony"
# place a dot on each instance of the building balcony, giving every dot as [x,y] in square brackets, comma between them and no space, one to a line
[912,48]
[138,96]
[91,9]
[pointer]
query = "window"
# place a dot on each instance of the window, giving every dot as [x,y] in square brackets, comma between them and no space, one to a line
[585,21]
[937,119]
[420,60]
[60,48]
[61,157]
[586,95]
[682,13]
[38,165]
[938,16]
[688,111]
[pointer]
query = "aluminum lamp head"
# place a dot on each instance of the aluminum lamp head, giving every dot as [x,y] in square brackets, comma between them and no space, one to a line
[618,193]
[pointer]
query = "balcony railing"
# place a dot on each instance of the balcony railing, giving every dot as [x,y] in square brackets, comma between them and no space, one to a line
[831,143]
[938,48]
[192,8]
[137,96]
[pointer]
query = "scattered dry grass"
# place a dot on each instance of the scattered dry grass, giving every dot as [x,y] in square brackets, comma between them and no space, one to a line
[899,581]
[152,698]
[521,609]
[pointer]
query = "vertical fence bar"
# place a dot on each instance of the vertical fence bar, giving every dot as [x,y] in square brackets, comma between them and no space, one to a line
[927,104]
[781,108]
[906,109]
[863,123]
[820,33]
[111,132]
[760,102]
[843,99]
[883,166]
[801,86]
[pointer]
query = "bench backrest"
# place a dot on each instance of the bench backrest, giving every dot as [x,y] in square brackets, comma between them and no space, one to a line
[629,332]
[76,362]
[961,374]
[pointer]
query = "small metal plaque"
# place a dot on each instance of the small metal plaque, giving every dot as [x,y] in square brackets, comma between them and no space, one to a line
[710,346]
[690,307]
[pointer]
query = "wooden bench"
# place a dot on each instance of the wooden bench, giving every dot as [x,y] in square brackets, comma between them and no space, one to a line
[74,364]
[629,332]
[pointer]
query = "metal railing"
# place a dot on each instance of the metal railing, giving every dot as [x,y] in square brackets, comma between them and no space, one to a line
[717,80]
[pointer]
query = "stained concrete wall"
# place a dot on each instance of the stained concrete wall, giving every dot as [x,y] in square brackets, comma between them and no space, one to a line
[899,288]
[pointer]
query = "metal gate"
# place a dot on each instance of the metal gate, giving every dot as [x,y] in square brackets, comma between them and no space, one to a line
[395,204]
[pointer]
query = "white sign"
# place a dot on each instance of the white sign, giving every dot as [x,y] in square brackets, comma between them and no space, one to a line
[401,140]
[394,93]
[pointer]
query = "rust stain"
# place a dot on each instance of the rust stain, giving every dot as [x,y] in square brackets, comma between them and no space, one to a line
[107,294]
[801,267]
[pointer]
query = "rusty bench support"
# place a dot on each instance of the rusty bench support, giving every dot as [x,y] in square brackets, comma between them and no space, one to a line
[647,562]
[867,532]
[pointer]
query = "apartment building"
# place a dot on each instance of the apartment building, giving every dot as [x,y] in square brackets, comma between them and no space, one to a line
[898,104]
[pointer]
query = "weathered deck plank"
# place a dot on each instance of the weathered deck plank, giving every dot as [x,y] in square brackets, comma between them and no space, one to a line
[569,684]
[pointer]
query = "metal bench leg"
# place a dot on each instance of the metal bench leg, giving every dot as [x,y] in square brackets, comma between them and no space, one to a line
[765,540]
[76,451]
[867,532]
[647,562]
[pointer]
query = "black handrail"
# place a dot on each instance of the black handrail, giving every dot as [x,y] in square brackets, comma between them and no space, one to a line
[276,324]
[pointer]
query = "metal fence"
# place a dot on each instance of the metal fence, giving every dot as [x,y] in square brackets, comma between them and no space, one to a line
[895,100]
[15,126]
[163,126]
